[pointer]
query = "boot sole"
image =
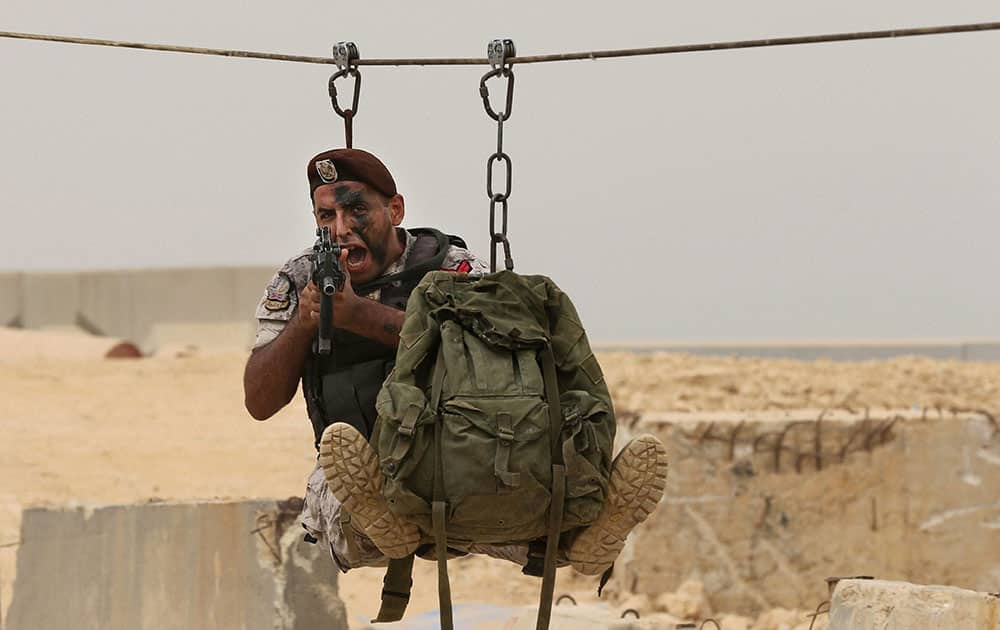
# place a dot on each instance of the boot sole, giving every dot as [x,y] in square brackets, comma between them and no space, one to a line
[351,468]
[638,479]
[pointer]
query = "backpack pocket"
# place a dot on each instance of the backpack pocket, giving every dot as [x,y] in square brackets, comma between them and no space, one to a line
[587,436]
[497,467]
[404,439]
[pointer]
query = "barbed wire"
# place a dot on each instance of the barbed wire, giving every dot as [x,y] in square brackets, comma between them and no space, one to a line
[573,56]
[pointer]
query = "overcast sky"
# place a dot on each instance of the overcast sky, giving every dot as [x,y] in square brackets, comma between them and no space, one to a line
[829,191]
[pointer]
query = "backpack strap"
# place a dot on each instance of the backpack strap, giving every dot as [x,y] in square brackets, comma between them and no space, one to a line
[438,506]
[396,587]
[558,488]
[430,251]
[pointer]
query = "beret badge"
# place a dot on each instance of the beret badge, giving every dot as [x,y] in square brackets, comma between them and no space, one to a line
[327,171]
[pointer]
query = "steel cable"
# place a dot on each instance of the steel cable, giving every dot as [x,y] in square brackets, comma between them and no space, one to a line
[573,56]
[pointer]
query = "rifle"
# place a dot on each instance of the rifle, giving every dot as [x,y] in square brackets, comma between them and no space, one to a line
[329,277]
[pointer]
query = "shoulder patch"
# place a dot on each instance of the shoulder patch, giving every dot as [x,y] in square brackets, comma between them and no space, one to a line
[277,297]
[463,261]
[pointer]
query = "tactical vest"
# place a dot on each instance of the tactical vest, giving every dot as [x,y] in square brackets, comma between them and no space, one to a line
[343,386]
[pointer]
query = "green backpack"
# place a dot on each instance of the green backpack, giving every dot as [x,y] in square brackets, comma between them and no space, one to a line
[496,425]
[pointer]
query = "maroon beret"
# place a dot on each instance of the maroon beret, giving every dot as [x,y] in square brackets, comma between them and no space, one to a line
[349,165]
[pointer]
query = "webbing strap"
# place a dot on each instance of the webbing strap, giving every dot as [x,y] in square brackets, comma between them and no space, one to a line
[441,548]
[416,266]
[505,438]
[551,381]
[437,384]
[551,546]
[404,438]
[438,506]
[396,587]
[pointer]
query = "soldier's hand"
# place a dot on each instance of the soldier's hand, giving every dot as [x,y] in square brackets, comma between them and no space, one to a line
[344,300]
[308,312]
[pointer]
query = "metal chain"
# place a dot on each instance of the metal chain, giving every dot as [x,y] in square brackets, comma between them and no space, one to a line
[499,53]
[345,55]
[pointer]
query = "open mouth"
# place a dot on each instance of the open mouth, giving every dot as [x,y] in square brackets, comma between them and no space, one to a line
[357,260]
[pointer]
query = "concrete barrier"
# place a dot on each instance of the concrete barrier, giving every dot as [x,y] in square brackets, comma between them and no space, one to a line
[129,304]
[883,605]
[49,299]
[10,299]
[204,566]
[762,507]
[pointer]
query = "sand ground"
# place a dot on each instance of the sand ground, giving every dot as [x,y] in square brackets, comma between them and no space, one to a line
[99,431]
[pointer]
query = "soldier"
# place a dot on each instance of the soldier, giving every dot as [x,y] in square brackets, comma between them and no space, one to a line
[355,195]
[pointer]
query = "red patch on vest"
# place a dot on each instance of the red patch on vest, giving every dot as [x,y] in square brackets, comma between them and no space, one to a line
[464,267]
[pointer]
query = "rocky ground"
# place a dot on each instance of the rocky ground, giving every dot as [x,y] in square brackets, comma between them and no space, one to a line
[127,430]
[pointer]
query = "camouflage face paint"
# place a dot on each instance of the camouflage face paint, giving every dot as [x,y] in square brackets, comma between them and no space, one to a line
[375,240]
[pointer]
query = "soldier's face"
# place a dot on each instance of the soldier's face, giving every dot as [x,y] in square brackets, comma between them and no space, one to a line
[364,221]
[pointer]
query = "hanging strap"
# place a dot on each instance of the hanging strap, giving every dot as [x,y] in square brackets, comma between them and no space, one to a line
[551,381]
[439,505]
[552,546]
[396,586]
[558,489]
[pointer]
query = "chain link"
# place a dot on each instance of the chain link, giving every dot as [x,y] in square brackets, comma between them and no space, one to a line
[345,55]
[499,52]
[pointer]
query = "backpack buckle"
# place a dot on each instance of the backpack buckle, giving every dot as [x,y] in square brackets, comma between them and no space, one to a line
[505,434]
[409,422]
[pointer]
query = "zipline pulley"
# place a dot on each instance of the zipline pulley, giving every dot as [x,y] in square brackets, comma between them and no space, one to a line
[499,52]
[345,55]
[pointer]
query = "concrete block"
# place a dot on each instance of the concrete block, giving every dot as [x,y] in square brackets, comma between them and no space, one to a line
[49,299]
[203,566]
[180,295]
[128,304]
[107,304]
[884,605]
[10,299]
[248,288]
[762,507]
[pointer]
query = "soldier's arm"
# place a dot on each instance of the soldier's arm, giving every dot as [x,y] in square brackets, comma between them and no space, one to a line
[274,368]
[374,320]
[272,373]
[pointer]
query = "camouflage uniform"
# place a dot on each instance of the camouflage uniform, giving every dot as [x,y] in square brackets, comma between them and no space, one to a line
[322,515]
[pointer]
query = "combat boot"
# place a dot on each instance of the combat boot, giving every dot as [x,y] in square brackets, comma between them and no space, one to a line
[638,478]
[351,468]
